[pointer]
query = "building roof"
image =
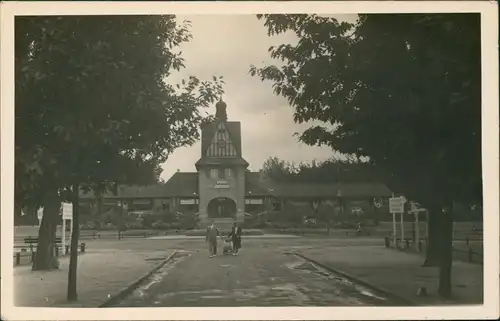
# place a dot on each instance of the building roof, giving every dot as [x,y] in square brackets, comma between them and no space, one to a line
[331,190]
[182,184]
[133,191]
[256,185]
[185,184]
[298,190]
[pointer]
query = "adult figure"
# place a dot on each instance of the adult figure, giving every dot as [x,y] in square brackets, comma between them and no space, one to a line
[211,239]
[236,238]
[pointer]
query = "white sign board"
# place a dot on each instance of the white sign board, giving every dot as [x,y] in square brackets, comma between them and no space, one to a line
[397,204]
[221,185]
[254,201]
[67,211]
[39,213]
[188,202]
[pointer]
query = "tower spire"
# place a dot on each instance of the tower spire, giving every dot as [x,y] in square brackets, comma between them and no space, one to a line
[220,107]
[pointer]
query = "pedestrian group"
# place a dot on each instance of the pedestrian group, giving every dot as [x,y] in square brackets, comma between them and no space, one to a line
[232,243]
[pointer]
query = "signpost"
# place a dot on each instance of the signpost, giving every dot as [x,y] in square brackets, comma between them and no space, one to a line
[397,206]
[67,215]
[416,209]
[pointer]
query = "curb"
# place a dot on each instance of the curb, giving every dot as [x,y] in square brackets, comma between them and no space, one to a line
[134,285]
[398,300]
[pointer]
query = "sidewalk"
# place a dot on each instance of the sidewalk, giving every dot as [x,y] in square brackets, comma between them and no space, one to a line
[400,273]
[101,274]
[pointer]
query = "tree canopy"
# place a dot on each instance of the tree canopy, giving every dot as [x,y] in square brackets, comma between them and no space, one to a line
[403,90]
[94,109]
[333,170]
[92,103]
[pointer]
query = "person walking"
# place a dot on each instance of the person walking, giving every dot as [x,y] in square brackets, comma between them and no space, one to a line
[236,238]
[211,239]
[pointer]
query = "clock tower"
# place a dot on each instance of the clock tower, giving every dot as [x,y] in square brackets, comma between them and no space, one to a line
[221,171]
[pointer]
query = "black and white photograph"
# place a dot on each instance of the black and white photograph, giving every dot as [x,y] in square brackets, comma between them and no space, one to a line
[219,155]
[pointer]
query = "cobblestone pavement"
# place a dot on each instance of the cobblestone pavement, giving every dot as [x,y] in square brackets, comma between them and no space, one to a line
[257,277]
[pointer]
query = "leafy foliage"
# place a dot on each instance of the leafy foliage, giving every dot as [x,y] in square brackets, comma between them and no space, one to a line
[93,108]
[414,112]
[403,90]
[92,103]
[333,170]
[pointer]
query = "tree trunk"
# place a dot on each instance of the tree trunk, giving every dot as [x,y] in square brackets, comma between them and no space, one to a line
[375,216]
[434,241]
[73,261]
[99,209]
[446,253]
[18,213]
[45,258]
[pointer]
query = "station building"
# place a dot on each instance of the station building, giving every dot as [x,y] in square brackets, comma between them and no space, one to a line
[222,189]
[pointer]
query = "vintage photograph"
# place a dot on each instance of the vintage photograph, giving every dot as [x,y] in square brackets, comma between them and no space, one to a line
[248,160]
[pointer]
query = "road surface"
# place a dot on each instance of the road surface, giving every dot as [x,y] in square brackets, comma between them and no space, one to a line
[257,277]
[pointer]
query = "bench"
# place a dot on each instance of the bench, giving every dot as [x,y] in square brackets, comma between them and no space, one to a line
[478,237]
[90,234]
[19,255]
[34,240]
[58,242]
[357,233]
[470,254]
[407,242]
[123,234]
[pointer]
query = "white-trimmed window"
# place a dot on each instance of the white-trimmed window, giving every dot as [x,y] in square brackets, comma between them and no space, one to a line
[228,172]
[214,173]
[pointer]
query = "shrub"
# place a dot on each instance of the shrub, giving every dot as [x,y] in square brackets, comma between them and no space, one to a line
[160,225]
[109,226]
[188,221]
[245,232]
[147,221]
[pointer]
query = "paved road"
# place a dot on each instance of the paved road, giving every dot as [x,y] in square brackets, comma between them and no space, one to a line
[257,277]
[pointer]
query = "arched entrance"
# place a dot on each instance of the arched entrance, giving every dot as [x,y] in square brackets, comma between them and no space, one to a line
[221,207]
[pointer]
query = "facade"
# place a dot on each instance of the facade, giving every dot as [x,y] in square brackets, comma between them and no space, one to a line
[221,171]
[223,190]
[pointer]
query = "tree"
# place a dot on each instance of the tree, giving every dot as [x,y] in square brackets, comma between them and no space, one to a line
[93,107]
[403,90]
[333,170]
[278,170]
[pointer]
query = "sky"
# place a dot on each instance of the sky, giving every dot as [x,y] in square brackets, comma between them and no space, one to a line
[227,45]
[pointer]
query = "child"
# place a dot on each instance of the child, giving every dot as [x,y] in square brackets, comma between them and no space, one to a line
[228,247]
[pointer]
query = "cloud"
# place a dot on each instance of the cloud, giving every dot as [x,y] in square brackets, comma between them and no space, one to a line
[227,45]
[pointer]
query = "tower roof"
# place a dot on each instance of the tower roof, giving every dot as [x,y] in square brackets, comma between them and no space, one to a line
[234,129]
[220,112]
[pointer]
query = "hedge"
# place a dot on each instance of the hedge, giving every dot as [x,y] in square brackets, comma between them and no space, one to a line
[224,232]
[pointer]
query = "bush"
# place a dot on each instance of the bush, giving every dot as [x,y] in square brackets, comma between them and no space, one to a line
[109,226]
[345,225]
[282,225]
[160,225]
[147,221]
[254,222]
[245,232]
[169,217]
[188,221]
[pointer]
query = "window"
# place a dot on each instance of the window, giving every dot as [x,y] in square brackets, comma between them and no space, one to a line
[222,173]
[214,173]
[228,172]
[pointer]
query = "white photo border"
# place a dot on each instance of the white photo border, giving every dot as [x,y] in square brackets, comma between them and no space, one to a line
[490,153]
